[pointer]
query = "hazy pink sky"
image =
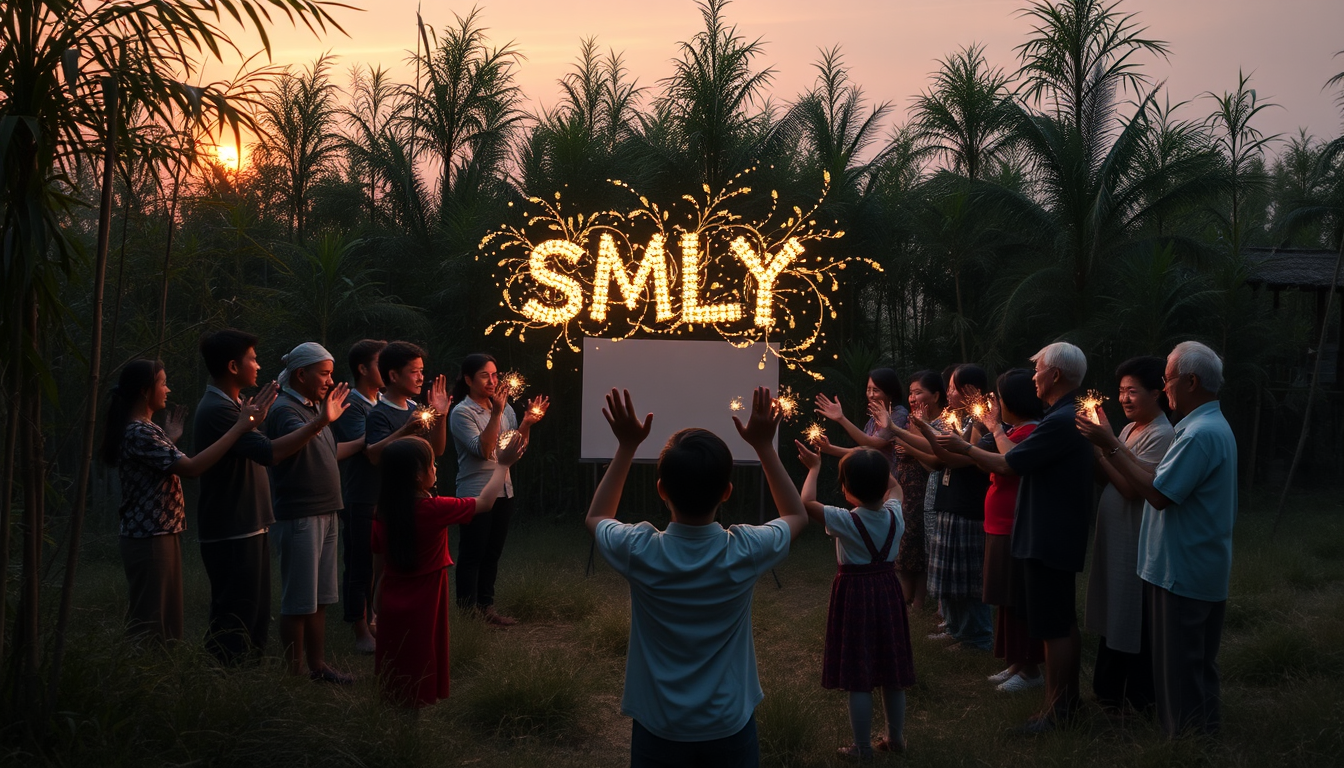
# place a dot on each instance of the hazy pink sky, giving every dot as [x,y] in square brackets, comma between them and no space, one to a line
[890,46]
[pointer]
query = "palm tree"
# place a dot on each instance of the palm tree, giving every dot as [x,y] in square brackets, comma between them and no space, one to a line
[374,113]
[466,112]
[1242,147]
[332,293]
[1081,53]
[705,100]
[966,116]
[298,118]
[56,59]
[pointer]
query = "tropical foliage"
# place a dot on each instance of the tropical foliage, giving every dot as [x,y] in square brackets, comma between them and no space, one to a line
[1056,193]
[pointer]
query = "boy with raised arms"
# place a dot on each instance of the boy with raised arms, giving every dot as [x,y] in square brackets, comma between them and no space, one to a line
[690,678]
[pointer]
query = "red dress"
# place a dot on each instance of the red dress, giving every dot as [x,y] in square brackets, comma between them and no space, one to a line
[411,657]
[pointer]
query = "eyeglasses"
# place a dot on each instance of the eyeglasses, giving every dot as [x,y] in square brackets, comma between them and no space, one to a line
[1177,377]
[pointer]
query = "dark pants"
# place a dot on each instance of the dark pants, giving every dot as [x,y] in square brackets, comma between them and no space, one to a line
[478,551]
[154,586]
[1185,634]
[741,750]
[358,582]
[240,596]
[1124,678]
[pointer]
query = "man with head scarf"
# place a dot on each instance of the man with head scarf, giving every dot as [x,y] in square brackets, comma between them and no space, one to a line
[306,491]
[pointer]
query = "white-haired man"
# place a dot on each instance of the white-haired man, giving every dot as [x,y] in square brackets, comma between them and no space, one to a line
[1054,505]
[1185,541]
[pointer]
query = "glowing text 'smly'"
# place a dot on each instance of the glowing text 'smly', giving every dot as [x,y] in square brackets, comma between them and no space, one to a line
[653,267]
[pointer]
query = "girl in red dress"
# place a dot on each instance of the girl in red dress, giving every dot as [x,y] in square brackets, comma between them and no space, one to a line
[410,546]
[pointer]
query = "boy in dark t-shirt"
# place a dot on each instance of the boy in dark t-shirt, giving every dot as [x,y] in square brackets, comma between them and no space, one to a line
[234,510]
[402,366]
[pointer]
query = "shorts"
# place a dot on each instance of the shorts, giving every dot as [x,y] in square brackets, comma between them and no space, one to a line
[1051,600]
[307,547]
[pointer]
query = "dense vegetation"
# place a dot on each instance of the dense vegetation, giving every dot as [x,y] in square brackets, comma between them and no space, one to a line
[1057,194]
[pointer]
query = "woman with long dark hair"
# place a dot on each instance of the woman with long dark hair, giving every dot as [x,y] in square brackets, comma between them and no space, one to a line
[152,512]
[481,415]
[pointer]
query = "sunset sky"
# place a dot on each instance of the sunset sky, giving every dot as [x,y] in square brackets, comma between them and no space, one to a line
[890,46]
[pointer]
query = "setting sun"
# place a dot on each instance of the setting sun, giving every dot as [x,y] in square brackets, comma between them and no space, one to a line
[227,156]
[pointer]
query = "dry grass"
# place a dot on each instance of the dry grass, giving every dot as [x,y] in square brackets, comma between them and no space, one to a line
[548,692]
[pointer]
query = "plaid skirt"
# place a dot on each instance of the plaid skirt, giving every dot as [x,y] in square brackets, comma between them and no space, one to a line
[956,557]
[867,631]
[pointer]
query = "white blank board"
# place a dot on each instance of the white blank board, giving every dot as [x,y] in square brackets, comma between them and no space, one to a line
[682,383]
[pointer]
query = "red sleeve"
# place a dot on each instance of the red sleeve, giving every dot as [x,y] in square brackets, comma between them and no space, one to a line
[444,511]
[376,537]
[1022,433]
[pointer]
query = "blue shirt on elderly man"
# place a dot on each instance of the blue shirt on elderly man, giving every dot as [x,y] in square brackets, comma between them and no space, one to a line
[1187,548]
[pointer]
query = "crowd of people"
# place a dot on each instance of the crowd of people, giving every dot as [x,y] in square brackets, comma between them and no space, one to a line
[960,497]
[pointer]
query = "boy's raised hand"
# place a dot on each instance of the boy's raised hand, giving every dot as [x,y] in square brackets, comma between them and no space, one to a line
[810,459]
[625,425]
[759,432]
[263,400]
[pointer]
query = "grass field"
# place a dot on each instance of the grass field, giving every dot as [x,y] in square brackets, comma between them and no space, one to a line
[547,692]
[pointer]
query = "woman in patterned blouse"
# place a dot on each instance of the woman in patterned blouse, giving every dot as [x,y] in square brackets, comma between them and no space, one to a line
[150,468]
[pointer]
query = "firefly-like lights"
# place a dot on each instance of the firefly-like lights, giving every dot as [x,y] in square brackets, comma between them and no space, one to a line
[788,402]
[1089,403]
[744,278]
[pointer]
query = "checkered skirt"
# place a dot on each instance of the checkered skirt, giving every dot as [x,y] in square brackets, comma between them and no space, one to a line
[867,631]
[956,557]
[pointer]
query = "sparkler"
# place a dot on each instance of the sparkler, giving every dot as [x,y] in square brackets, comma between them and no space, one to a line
[736,404]
[788,402]
[556,258]
[513,383]
[952,420]
[813,433]
[1089,404]
[505,437]
[426,415]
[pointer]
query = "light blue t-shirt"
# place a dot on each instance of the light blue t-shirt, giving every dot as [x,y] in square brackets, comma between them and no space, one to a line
[1187,547]
[849,546]
[467,421]
[690,674]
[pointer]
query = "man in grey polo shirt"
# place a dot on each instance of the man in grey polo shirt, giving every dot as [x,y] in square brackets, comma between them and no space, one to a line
[307,498]
[1185,540]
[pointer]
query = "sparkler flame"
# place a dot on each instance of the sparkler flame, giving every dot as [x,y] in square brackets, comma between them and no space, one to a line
[426,415]
[814,432]
[505,437]
[951,419]
[788,402]
[1089,404]
[513,383]
[736,404]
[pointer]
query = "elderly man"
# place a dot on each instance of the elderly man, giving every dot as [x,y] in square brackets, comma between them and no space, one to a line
[1185,541]
[1054,504]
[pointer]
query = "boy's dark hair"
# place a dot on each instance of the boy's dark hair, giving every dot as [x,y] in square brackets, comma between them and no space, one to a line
[363,352]
[864,473]
[1017,392]
[398,355]
[695,469]
[971,375]
[1149,371]
[223,347]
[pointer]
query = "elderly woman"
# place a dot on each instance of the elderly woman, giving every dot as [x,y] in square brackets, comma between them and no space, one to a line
[1124,668]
